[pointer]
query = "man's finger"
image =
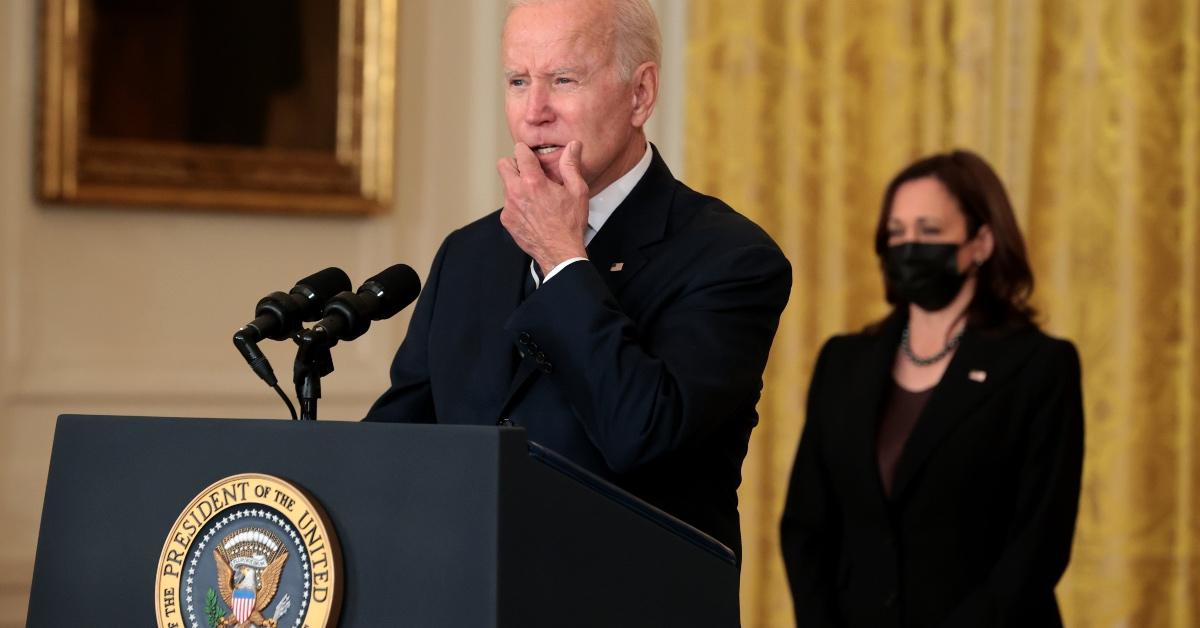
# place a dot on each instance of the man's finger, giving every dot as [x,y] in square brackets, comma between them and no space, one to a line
[508,172]
[527,162]
[568,165]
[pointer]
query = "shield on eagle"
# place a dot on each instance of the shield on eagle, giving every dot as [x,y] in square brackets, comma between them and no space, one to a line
[243,604]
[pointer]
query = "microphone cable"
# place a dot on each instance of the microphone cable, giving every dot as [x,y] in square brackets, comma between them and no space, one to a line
[291,408]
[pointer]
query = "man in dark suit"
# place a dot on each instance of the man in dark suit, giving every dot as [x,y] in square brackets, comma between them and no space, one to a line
[621,318]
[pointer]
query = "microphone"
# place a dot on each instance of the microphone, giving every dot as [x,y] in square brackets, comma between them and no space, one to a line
[349,314]
[278,316]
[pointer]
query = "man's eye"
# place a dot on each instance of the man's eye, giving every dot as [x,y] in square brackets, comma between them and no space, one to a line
[562,80]
[516,82]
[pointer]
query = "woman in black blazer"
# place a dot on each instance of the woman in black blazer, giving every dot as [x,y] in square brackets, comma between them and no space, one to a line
[937,479]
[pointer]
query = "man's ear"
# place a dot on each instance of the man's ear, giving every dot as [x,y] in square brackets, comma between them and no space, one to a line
[645,92]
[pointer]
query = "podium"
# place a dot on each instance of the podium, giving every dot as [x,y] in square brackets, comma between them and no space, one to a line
[458,526]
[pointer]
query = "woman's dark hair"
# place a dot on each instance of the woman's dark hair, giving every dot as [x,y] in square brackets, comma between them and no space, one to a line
[1004,282]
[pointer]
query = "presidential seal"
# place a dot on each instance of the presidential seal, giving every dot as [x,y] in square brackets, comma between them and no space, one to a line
[250,551]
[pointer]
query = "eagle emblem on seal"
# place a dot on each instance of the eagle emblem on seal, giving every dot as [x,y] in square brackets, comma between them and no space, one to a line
[249,564]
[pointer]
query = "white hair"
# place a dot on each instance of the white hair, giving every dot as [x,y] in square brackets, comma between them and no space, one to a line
[635,30]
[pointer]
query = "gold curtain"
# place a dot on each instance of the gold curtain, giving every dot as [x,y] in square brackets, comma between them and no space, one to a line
[800,111]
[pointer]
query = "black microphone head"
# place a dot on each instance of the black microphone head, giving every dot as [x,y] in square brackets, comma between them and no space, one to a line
[317,288]
[395,287]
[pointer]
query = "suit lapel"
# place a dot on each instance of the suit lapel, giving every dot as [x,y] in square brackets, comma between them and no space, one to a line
[990,358]
[639,221]
[501,287]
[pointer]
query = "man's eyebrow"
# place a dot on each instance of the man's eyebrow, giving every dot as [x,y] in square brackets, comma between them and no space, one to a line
[508,74]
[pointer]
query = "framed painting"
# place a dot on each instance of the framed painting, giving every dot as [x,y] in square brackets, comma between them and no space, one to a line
[272,105]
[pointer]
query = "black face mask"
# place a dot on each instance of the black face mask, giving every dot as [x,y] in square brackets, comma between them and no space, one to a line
[923,274]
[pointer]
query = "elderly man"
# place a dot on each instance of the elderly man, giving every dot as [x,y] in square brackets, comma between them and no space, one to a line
[620,317]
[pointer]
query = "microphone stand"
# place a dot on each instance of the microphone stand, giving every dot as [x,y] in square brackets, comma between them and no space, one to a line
[313,361]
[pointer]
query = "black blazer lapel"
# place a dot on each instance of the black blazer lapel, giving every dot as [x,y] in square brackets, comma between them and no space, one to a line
[639,221]
[871,381]
[981,363]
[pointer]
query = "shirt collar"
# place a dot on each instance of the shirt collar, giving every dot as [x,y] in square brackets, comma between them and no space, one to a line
[602,205]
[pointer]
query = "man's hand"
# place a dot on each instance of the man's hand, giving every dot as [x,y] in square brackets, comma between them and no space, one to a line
[547,220]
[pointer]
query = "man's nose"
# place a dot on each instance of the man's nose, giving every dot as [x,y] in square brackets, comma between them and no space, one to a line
[538,106]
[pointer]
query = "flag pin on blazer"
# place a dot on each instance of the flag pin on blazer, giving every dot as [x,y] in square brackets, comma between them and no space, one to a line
[615,267]
[977,376]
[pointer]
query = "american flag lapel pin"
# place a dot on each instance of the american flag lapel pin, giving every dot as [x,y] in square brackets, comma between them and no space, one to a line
[616,267]
[977,376]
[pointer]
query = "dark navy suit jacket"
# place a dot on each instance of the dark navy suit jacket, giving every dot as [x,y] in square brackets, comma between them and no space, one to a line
[643,364]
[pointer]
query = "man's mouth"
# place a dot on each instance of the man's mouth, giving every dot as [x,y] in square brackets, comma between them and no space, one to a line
[546,149]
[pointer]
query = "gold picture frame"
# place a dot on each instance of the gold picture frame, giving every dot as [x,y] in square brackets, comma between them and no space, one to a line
[350,174]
